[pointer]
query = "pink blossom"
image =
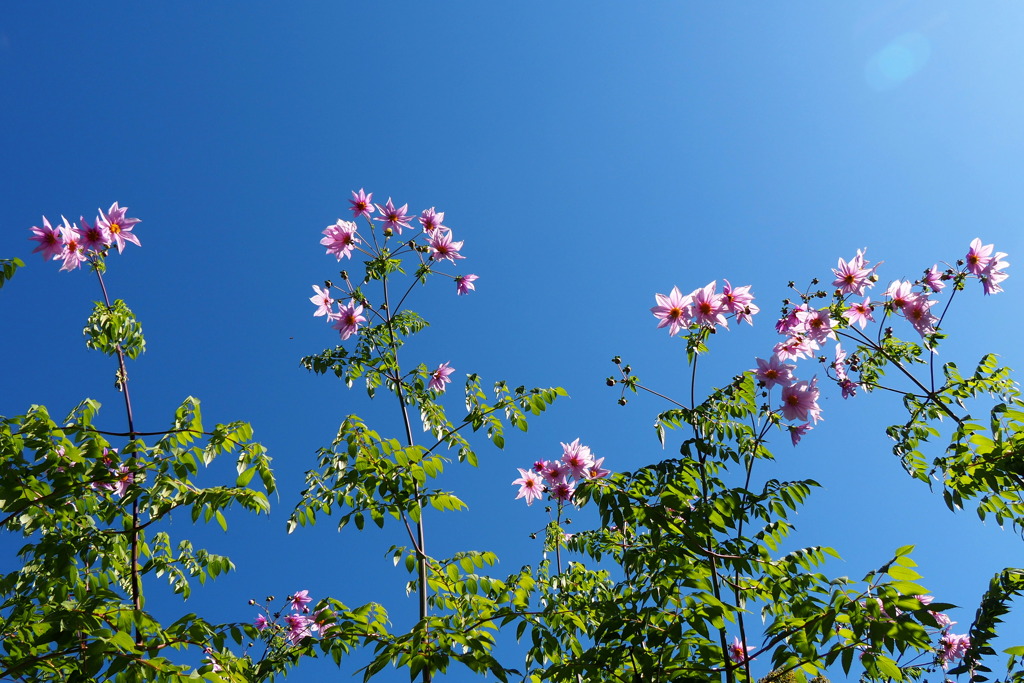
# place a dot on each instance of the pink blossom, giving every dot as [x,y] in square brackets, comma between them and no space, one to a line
[795,348]
[340,238]
[852,277]
[464,283]
[773,372]
[924,599]
[563,491]
[942,619]
[73,252]
[118,227]
[786,324]
[393,218]
[796,432]
[900,295]
[919,314]
[440,377]
[740,302]
[577,458]
[555,472]
[817,325]
[361,205]
[993,274]
[50,241]
[123,478]
[933,279]
[539,465]
[431,221]
[299,627]
[443,246]
[860,313]
[299,601]
[708,307]
[322,300]
[978,257]
[596,471]
[261,622]
[94,237]
[738,652]
[531,486]
[347,319]
[849,388]
[839,364]
[674,310]
[800,401]
[953,647]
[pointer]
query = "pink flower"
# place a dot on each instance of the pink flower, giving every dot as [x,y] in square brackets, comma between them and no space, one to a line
[817,325]
[978,257]
[795,348]
[123,478]
[900,295]
[555,472]
[942,619]
[347,319]
[860,313]
[322,300]
[933,279]
[839,364]
[531,486]
[993,274]
[50,242]
[773,372]
[464,284]
[849,388]
[563,491]
[443,246]
[440,377]
[118,227]
[674,310]
[431,221]
[94,237]
[299,601]
[361,205]
[340,238]
[708,307]
[299,627]
[800,401]
[596,471]
[785,325]
[577,458]
[539,466]
[953,647]
[393,218]
[73,252]
[919,314]
[261,622]
[738,652]
[739,301]
[797,432]
[852,277]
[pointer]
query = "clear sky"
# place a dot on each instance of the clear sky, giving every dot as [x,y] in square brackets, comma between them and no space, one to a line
[590,154]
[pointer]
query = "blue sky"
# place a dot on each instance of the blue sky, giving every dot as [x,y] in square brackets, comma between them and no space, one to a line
[589,154]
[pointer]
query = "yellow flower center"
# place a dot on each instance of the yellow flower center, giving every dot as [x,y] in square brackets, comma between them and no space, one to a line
[115,228]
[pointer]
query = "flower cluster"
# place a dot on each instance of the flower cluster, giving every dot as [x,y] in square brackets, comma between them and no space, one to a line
[343,238]
[559,477]
[807,329]
[74,245]
[119,479]
[298,624]
[703,307]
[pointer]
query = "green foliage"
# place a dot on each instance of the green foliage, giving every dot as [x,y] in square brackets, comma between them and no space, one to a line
[89,518]
[114,327]
[8,266]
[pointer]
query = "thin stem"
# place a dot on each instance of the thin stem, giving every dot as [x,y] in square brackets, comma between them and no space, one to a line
[421,544]
[136,589]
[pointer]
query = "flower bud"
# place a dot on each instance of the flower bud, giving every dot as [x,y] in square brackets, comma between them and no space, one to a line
[623,401]
[610,381]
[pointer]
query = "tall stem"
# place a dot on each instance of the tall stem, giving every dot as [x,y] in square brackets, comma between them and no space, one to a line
[421,548]
[122,370]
